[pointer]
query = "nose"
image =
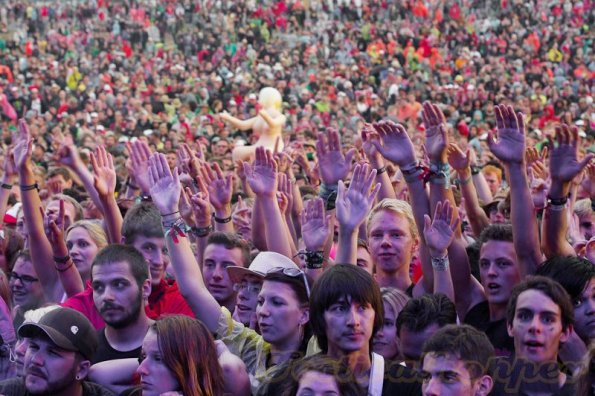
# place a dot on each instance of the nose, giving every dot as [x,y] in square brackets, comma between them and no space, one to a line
[535,325]
[142,368]
[262,310]
[353,317]
[218,272]
[492,270]
[36,358]
[590,306]
[385,240]
[21,347]
[431,387]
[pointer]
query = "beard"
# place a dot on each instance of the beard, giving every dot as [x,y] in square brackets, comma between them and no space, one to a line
[133,314]
[57,385]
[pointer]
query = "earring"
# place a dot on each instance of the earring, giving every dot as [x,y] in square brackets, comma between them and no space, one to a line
[78,378]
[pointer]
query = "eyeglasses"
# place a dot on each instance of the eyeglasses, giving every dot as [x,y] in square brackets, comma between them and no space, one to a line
[245,286]
[294,273]
[25,279]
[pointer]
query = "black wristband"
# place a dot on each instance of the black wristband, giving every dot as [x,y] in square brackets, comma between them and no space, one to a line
[132,186]
[314,260]
[29,187]
[330,201]
[593,205]
[7,186]
[222,220]
[380,171]
[475,169]
[62,260]
[202,232]
[557,201]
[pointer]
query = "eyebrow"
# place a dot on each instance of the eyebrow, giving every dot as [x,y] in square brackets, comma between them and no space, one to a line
[523,309]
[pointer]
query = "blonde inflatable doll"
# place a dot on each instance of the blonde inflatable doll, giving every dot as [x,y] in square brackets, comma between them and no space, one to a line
[267,125]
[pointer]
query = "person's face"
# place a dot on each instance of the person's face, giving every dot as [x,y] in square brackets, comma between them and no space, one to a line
[537,327]
[247,297]
[53,209]
[156,378]
[493,182]
[391,243]
[116,294]
[314,383]
[445,374]
[385,341]
[155,253]
[364,260]
[48,368]
[171,160]
[411,342]
[220,148]
[82,249]
[279,313]
[21,226]
[25,286]
[584,313]
[586,225]
[498,270]
[349,326]
[216,260]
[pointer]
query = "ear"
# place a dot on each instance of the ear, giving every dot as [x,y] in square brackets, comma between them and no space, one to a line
[509,329]
[305,316]
[82,369]
[123,240]
[484,386]
[146,289]
[566,334]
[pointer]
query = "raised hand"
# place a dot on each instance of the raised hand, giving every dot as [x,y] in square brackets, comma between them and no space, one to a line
[439,232]
[372,153]
[510,144]
[262,174]
[104,173]
[200,203]
[220,187]
[188,160]
[333,165]
[564,165]
[165,185]
[56,233]
[315,224]
[23,148]
[458,159]
[353,204]
[394,143]
[139,152]
[10,169]
[286,187]
[436,139]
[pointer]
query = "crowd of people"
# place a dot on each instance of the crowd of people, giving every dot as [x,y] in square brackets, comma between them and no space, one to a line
[338,197]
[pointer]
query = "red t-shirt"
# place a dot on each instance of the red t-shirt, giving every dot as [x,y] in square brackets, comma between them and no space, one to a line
[164,299]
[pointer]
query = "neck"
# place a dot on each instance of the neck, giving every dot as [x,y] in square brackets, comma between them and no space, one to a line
[74,389]
[229,304]
[129,337]
[497,311]
[399,279]
[359,362]
[281,352]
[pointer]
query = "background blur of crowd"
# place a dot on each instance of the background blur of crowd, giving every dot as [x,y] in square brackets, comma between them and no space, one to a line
[106,72]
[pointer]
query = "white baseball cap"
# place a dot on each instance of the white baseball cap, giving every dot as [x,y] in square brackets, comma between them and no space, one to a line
[263,263]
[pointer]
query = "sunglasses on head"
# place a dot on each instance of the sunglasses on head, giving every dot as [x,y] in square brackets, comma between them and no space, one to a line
[293,273]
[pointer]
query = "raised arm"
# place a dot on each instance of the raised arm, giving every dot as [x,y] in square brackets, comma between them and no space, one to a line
[461,163]
[316,230]
[9,177]
[68,274]
[510,150]
[378,163]
[220,188]
[272,121]
[352,206]
[41,250]
[242,125]
[262,177]
[564,167]
[165,191]
[104,181]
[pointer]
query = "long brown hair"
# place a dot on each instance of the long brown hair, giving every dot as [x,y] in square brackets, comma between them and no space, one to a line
[189,351]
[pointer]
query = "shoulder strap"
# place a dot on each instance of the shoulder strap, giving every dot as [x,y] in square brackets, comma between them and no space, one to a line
[376,375]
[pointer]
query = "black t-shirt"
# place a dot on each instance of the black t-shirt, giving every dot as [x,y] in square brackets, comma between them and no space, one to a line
[106,352]
[16,387]
[521,377]
[400,380]
[479,317]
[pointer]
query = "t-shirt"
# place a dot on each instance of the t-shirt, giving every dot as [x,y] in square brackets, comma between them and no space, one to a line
[165,298]
[106,352]
[479,317]
[16,387]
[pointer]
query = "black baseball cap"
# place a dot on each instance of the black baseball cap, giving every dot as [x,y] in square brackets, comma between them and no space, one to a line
[67,328]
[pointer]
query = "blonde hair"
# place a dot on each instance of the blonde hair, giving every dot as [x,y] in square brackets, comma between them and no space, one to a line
[397,206]
[582,207]
[270,97]
[394,298]
[94,229]
[493,170]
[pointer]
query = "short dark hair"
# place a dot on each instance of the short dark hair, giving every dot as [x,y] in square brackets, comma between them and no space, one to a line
[123,253]
[550,288]
[142,219]
[231,241]
[496,232]
[59,171]
[464,342]
[421,312]
[573,273]
[343,280]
